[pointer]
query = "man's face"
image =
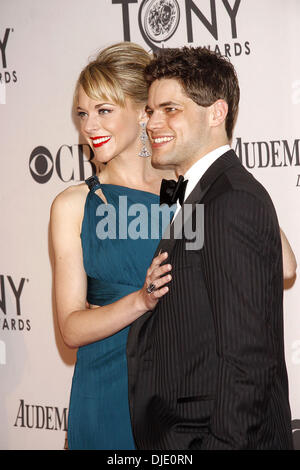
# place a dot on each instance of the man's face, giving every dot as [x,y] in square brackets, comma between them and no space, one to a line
[178,128]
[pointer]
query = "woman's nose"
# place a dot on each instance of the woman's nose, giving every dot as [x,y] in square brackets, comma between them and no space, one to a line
[90,124]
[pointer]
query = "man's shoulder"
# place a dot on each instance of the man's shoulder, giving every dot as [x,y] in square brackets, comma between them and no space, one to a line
[240,179]
[238,191]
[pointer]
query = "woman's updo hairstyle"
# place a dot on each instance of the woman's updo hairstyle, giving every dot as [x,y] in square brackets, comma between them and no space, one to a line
[116,73]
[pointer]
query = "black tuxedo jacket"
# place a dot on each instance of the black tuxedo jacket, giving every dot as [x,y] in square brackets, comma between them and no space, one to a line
[206,367]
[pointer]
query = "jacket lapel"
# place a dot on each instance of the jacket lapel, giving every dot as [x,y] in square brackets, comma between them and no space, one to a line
[216,170]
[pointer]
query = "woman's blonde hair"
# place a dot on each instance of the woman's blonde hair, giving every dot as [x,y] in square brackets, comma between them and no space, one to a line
[116,73]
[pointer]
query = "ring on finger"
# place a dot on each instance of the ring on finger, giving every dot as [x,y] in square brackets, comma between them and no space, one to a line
[150,288]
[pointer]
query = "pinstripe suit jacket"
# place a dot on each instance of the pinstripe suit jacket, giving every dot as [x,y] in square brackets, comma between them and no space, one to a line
[206,367]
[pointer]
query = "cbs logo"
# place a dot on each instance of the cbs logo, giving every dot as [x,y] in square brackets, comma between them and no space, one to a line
[70,163]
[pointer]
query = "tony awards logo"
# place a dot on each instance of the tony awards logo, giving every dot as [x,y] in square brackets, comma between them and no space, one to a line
[200,23]
[159,19]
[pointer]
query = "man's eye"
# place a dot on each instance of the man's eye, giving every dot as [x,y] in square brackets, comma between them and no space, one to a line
[169,110]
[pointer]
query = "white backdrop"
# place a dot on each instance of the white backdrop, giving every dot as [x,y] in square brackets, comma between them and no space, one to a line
[44,44]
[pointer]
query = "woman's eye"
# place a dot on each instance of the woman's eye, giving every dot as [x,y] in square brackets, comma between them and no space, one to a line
[101,111]
[81,114]
[104,111]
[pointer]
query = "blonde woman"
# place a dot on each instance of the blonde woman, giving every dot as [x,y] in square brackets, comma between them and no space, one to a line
[108,272]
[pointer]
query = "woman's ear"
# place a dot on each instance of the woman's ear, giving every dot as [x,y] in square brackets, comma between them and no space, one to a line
[218,113]
[143,115]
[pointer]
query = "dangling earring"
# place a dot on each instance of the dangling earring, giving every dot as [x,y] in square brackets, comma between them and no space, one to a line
[144,138]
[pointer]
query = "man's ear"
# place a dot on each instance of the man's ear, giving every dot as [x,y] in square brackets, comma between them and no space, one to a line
[218,113]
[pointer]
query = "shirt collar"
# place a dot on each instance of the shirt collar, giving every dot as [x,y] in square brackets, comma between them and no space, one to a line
[197,170]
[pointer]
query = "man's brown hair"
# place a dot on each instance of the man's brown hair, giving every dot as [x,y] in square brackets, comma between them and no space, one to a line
[205,77]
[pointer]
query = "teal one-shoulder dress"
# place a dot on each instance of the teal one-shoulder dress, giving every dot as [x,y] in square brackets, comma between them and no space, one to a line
[115,266]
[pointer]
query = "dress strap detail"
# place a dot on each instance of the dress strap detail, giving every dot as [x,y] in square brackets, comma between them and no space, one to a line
[93,183]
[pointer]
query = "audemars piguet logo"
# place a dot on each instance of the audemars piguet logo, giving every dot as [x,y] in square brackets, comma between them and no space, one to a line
[279,153]
[35,416]
[159,19]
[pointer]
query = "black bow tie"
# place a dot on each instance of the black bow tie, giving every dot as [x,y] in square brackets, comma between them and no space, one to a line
[171,190]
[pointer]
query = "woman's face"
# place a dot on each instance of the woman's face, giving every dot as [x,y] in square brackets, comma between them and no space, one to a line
[110,129]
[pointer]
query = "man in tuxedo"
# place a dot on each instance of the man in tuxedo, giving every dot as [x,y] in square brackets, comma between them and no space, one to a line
[206,366]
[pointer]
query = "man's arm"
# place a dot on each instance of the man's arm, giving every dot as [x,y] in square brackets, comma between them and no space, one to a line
[288,257]
[241,244]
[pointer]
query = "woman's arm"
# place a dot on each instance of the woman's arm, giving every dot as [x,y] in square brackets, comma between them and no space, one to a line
[79,325]
[289,260]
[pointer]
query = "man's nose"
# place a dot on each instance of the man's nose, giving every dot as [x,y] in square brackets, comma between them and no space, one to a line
[155,122]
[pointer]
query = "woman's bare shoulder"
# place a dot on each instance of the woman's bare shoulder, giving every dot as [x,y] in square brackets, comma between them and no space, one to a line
[71,198]
[67,212]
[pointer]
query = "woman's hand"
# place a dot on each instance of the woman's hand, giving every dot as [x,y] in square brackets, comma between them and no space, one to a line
[155,283]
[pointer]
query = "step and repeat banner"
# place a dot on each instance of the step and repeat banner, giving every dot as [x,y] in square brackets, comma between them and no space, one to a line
[44,44]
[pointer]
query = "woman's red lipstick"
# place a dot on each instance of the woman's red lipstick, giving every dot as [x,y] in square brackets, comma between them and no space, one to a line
[100,140]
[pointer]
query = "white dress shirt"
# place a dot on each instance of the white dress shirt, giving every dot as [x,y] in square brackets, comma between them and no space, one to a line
[195,173]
